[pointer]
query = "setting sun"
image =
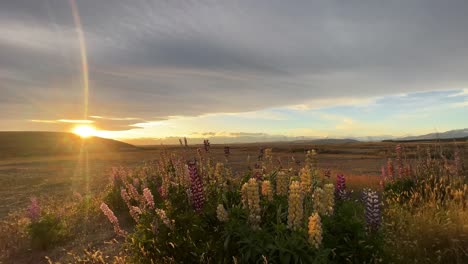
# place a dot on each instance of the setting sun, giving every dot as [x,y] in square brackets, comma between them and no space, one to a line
[85,131]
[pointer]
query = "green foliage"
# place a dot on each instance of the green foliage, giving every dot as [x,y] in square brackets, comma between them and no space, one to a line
[401,189]
[47,231]
[345,233]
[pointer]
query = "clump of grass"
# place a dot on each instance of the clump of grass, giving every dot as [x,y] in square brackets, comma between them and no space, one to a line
[426,220]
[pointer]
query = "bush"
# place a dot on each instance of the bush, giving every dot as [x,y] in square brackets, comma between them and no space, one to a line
[46,232]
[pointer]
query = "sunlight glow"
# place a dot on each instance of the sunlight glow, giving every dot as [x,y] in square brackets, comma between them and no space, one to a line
[85,131]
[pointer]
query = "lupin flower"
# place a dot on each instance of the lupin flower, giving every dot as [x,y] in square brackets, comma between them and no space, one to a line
[306,179]
[364,194]
[148,197]
[340,188]
[327,173]
[227,152]
[383,177]
[315,230]
[221,213]
[373,213]
[112,218]
[318,201]
[244,194]
[219,172]
[311,158]
[180,142]
[136,182]
[132,192]
[135,212]
[258,173]
[162,215]
[267,191]
[261,154]
[253,202]
[295,207]
[206,145]
[198,197]
[390,170]
[125,196]
[329,198]
[163,192]
[399,160]
[282,182]
[34,210]
[185,142]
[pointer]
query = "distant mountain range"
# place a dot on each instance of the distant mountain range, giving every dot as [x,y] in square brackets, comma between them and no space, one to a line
[15,144]
[452,134]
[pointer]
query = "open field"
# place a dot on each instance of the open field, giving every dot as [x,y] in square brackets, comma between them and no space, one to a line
[63,174]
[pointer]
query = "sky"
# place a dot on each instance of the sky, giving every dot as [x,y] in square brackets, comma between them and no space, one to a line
[143,71]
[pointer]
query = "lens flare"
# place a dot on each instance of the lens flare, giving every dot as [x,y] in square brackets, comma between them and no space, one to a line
[85,131]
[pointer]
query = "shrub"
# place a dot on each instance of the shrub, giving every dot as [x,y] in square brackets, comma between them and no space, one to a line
[47,231]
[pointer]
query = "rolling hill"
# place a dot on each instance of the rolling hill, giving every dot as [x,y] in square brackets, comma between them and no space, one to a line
[13,144]
[458,134]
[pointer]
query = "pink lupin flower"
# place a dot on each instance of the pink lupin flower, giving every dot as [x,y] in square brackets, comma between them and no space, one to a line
[399,160]
[112,218]
[390,171]
[148,197]
[34,210]
[163,192]
[125,196]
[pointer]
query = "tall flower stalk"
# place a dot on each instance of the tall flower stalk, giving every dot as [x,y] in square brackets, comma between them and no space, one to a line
[282,183]
[340,187]
[34,210]
[267,191]
[221,213]
[373,212]
[113,219]
[315,230]
[253,202]
[295,206]
[196,187]
[329,198]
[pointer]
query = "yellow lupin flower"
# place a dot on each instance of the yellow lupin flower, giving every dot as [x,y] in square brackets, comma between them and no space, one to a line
[267,191]
[244,194]
[306,179]
[282,182]
[219,172]
[253,201]
[319,201]
[329,198]
[315,230]
[221,213]
[295,206]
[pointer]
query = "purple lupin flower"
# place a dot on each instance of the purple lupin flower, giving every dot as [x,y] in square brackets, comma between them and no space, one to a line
[227,152]
[340,187]
[364,194]
[206,145]
[261,154]
[196,188]
[34,210]
[373,212]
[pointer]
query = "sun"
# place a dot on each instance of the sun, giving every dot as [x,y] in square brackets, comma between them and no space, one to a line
[85,131]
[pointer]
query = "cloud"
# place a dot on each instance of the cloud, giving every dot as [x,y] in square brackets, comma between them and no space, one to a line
[151,60]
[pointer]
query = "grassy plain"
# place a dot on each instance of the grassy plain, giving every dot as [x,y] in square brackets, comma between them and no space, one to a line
[62,175]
